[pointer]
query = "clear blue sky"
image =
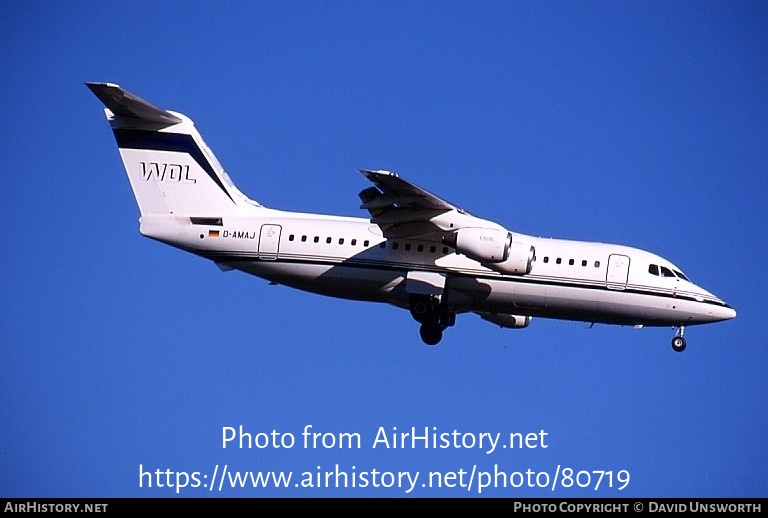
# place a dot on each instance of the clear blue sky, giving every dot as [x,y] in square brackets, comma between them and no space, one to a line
[640,123]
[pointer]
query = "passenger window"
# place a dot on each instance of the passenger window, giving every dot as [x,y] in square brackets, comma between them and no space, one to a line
[365,243]
[341,240]
[432,249]
[290,238]
[597,264]
[317,239]
[328,240]
[303,239]
[570,262]
[395,245]
[383,244]
[584,262]
[420,248]
[353,242]
[558,261]
[445,249]
[407,246]
[546,259]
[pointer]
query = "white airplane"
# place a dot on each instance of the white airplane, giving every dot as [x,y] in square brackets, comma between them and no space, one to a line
[416,251]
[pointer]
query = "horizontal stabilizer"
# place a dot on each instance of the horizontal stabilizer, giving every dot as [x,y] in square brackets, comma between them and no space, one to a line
[125,104]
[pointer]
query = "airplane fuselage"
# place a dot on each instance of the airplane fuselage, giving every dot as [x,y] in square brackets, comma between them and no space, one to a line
[349,258]
[417,251]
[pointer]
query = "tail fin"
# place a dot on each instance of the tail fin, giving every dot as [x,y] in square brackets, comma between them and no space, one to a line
[170,168]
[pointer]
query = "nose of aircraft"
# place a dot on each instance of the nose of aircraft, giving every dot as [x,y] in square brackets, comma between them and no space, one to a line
[725,312]
[717,312]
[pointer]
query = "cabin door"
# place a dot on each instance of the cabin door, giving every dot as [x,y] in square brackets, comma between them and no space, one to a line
[618,272]
[269,242]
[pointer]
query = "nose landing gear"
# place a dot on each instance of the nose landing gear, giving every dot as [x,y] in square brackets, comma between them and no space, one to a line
[678,342]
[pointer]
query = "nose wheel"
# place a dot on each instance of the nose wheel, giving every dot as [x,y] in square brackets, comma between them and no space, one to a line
[678,342]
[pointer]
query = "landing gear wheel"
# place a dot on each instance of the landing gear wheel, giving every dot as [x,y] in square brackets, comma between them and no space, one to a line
[433,315]
[430,334]
[421,310]
[678,344]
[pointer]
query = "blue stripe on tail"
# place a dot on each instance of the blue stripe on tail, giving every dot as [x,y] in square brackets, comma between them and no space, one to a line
[176,142]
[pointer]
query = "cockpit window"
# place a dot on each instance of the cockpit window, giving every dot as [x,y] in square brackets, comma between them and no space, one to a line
[666,272]
[663,271]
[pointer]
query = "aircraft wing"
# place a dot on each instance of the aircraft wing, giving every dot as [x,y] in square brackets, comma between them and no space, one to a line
[394,192]
[404,210]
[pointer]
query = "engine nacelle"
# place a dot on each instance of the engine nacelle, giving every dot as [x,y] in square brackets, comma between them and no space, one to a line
[483,244]
[508,321]
[494,249]
[519,260]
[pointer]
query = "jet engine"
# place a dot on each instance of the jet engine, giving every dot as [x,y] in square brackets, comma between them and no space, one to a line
[482,244]
[519,261]
[509,321]
[494,249]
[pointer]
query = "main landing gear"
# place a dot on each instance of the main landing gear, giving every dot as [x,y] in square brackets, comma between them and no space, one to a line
[678,342]
[433,316]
